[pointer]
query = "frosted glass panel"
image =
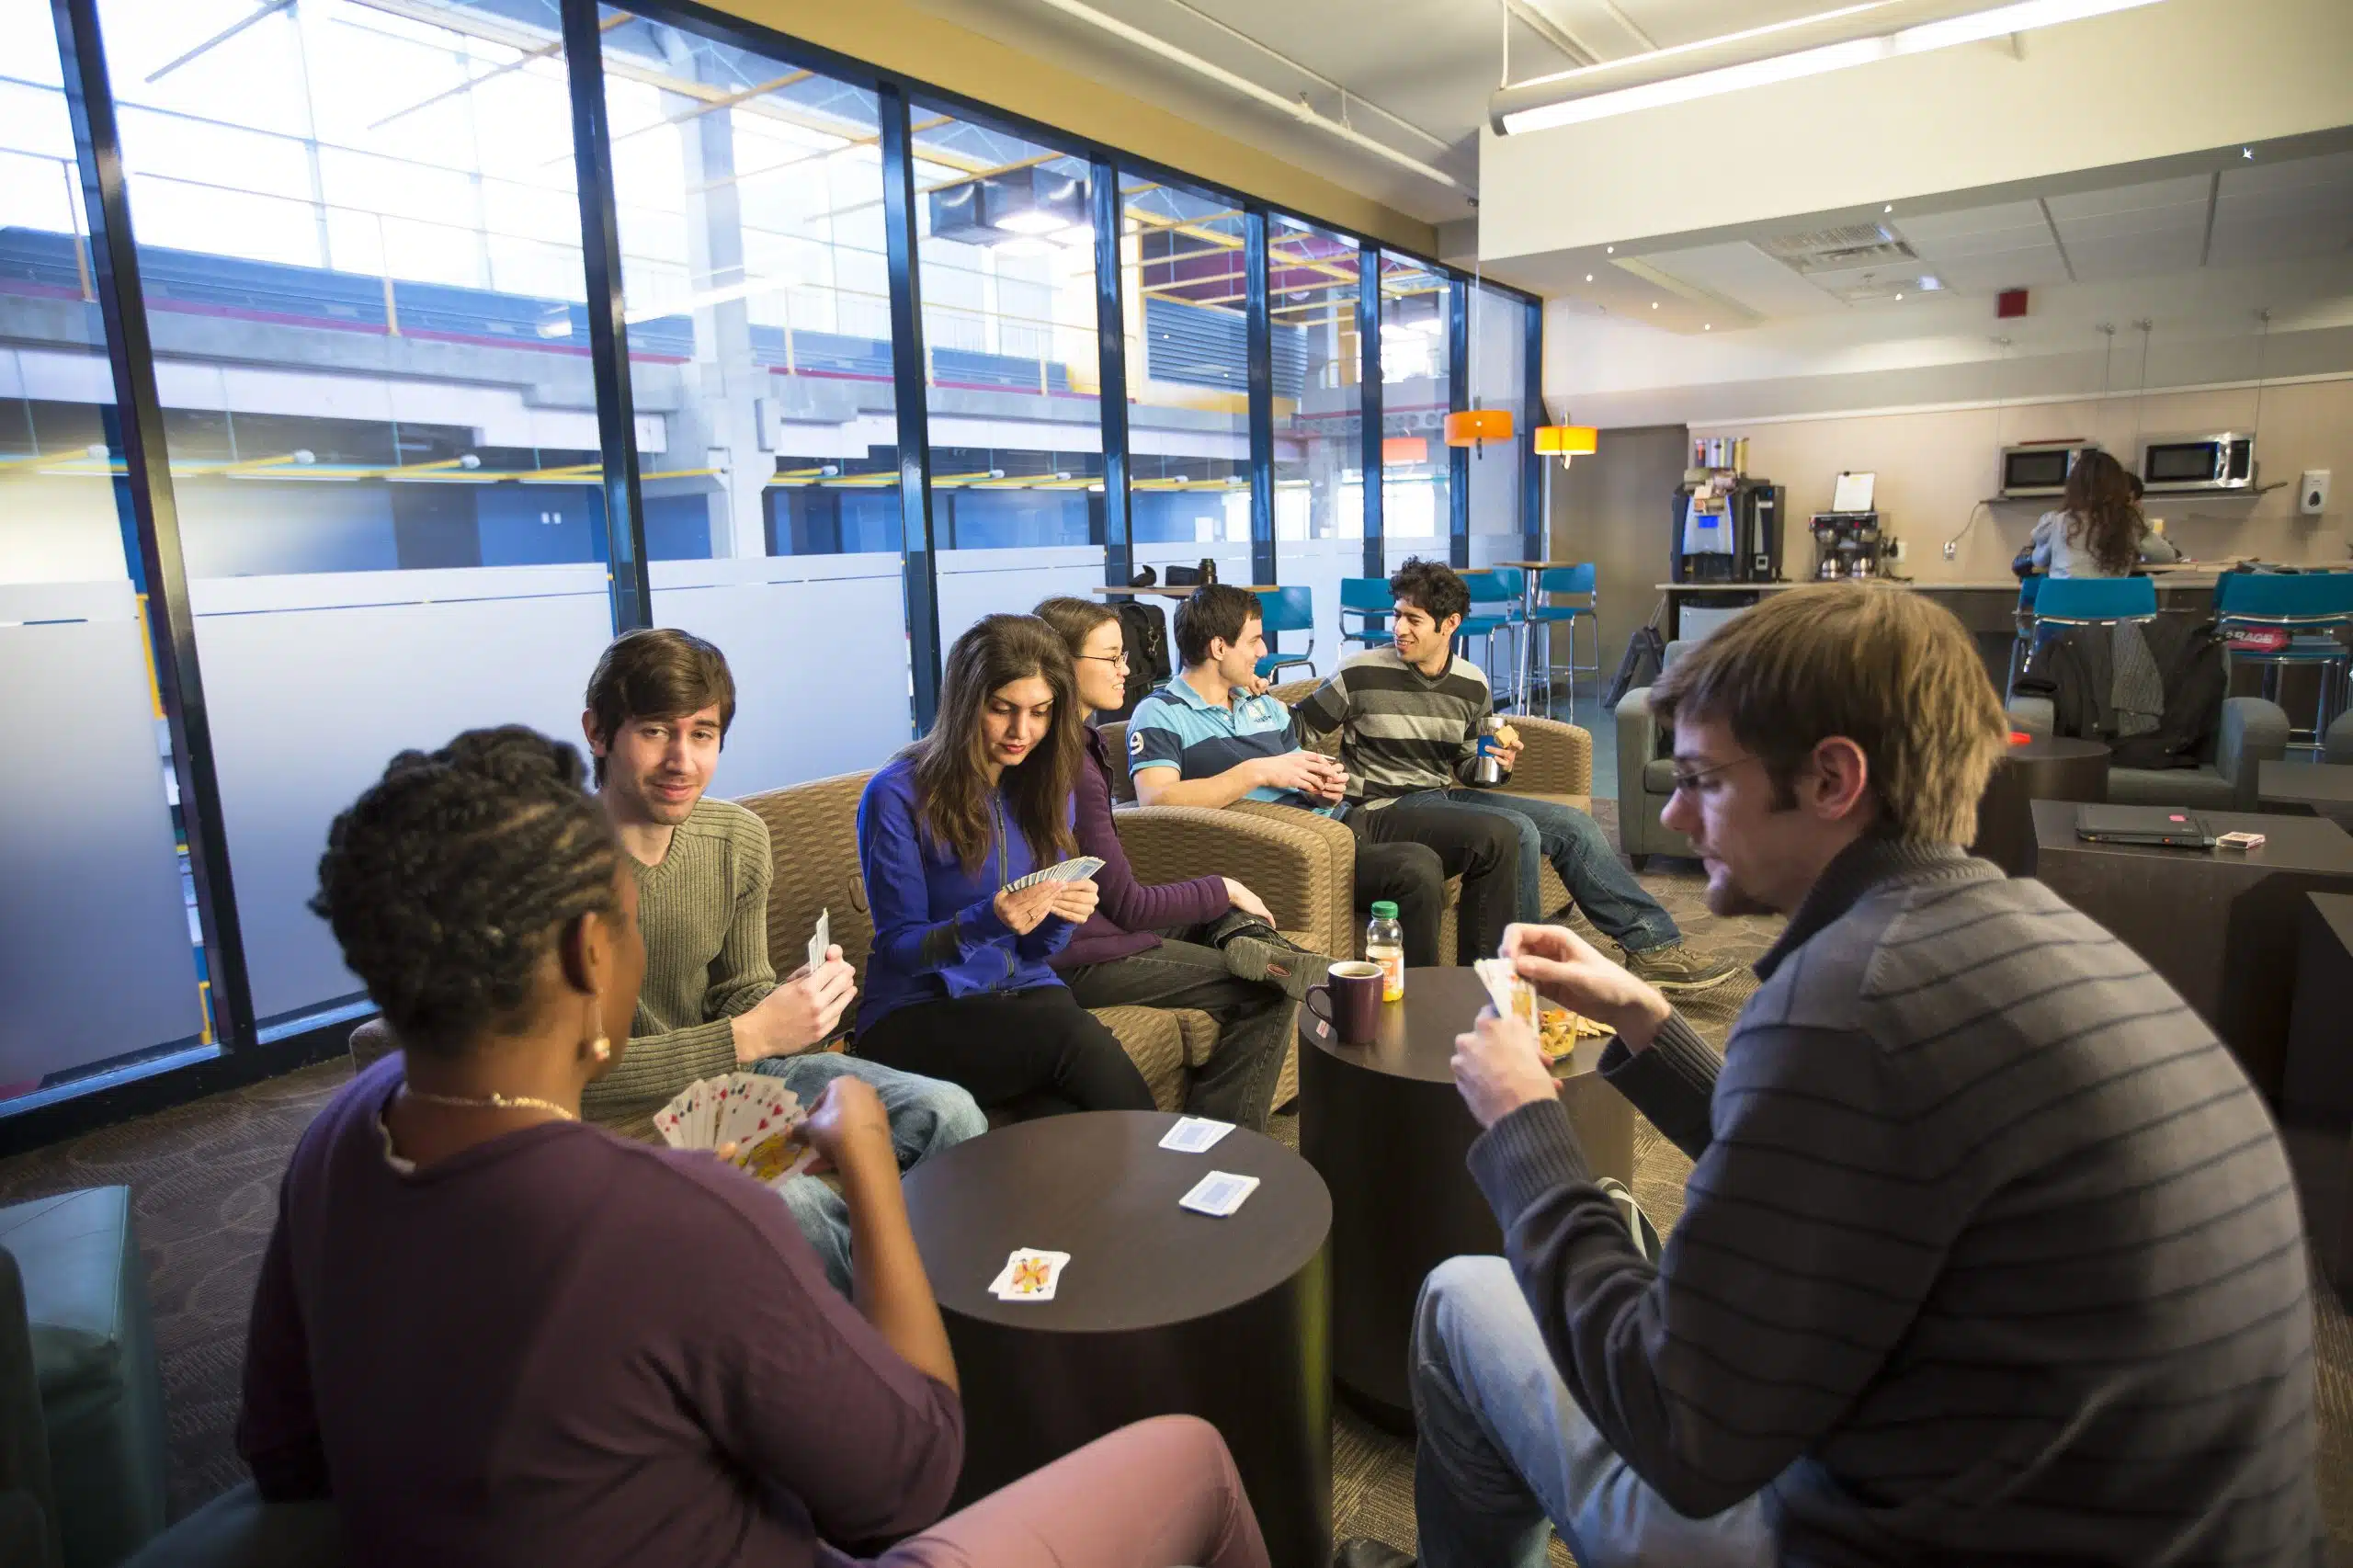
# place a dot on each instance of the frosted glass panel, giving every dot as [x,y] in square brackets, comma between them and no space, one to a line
[818,645]
[315,681]
[1318,564]
[95,946]
[974,583]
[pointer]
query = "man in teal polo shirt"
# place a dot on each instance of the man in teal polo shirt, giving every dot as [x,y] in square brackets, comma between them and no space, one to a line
[1212,736]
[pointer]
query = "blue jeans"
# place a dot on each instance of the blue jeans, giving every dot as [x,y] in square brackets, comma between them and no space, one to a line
[925,1114]
[1597,879]
[1503,1448]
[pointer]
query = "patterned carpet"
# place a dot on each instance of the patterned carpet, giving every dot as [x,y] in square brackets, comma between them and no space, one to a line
[205,1178]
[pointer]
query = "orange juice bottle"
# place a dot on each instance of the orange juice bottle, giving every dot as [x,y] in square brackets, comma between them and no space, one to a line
[1384,944]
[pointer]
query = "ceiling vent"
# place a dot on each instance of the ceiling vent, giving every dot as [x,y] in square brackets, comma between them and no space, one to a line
[1880,286]
[1839,250]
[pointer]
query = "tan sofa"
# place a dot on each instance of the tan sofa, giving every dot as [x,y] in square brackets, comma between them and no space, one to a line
[1287,860]
[1557,764]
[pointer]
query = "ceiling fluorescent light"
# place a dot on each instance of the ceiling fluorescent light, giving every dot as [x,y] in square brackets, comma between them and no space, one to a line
[1942,33]
[1032,220]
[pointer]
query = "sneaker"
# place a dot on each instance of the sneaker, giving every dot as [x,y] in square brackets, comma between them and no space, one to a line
[1676,967]
[1277,963]
[1363,1552]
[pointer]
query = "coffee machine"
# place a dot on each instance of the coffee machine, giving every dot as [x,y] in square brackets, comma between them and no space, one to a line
[1726,529]
[1846,544]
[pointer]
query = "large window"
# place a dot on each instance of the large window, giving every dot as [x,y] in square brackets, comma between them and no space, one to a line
[1184,292]
[101,961]
[1498,379]
[365,293]
[756,279]
[1006,243]
[1415,386]
[1312,283]
[361,244]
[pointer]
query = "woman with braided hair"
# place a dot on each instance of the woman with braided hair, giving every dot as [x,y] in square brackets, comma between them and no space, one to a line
[495,1335]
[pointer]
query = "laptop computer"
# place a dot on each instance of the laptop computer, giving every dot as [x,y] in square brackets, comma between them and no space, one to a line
[2175,826]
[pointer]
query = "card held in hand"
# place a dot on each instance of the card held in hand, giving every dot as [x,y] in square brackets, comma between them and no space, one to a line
[820,939]
[758,1115]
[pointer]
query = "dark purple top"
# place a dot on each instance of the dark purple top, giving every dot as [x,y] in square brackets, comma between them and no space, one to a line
[560,1346]
[1123,923]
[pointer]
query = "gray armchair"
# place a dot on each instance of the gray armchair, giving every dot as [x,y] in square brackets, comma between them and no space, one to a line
[81,1401]
[1645,776]
[2250,732]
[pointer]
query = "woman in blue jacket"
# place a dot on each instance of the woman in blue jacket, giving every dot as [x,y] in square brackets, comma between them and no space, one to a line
[958,984]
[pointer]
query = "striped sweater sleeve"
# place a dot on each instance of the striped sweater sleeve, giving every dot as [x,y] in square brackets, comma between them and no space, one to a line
[1810,1235]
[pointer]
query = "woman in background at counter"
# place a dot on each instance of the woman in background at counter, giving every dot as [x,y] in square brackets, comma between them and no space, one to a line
[2099,530]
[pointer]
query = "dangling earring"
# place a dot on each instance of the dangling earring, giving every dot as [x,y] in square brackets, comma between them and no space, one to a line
[601,1048]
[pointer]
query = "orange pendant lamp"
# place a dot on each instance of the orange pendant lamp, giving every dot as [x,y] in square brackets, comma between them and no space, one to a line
[1475,428]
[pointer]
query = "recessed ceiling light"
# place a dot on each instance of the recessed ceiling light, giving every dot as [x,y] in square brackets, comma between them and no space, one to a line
[1612,250]
[1888,208]
[1653,304]
[1899,296]
[1588,277]
[2246,152]
[1707,327]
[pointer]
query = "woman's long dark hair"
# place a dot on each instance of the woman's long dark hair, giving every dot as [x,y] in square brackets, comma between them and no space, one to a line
[2103,514]
[951,763]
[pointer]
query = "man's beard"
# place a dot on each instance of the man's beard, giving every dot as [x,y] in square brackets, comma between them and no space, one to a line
[1726,897]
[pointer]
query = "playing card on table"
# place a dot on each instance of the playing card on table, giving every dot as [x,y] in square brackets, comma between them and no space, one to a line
[1219,1194]
[821,938]
[1029,1274]
[1192,1134]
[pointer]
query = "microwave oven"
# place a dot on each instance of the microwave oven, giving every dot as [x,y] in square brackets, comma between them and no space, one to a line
[2197,463]
[2040,468]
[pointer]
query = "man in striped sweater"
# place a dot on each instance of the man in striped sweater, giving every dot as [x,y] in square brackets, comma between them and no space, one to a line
[1990,1254]
[1408,717]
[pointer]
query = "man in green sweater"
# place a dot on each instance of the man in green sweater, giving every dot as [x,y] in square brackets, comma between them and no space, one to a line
[659,705]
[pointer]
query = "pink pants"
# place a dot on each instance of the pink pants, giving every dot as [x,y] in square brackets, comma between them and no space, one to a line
[1161,1493]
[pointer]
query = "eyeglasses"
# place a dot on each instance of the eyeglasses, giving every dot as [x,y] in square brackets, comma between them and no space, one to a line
[1687,781]
[1118,661]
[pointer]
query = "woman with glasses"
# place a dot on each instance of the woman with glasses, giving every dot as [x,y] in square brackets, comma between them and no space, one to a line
[1223,956]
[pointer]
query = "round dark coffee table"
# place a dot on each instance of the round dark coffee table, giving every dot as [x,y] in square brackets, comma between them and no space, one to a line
[1160,1311]
[1389,1132]
[2042,767]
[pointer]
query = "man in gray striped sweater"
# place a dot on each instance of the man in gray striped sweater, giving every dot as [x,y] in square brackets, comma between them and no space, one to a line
[1990,1254]
[1408,717]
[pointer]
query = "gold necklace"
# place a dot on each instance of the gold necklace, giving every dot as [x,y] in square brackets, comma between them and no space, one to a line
[491,1101]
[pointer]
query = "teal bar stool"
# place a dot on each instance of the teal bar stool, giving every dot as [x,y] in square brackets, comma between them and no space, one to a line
[1505,588]
[1281,610]
[2023,615]
[1557,583]
[1369,600]
[2314,608]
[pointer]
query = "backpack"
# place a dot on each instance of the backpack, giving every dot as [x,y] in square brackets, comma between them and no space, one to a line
[1147,641]
[1193,576]
[1645,656]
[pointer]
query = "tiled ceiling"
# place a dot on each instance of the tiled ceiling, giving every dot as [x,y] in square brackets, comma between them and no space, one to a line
[2241,215]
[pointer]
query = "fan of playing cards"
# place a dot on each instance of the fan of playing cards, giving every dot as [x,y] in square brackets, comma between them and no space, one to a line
[1077,870]
[1557,1029]
[758,1115]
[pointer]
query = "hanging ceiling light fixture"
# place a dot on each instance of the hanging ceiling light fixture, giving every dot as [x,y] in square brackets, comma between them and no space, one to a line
[1783,52]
